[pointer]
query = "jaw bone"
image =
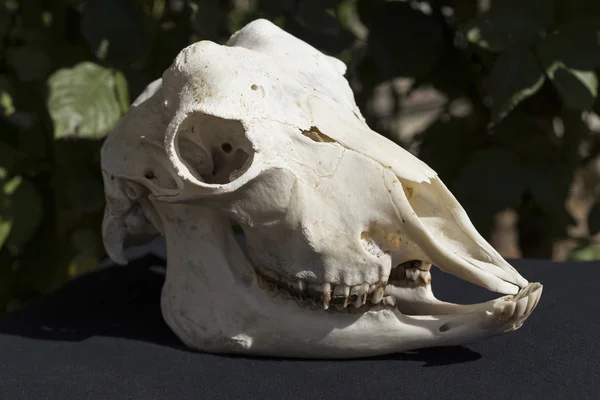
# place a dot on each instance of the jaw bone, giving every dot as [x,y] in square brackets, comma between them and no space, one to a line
[342,224]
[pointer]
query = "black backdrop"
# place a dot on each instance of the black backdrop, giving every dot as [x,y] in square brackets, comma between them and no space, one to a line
[102,337]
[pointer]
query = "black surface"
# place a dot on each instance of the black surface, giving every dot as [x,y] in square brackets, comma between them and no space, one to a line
[102,337]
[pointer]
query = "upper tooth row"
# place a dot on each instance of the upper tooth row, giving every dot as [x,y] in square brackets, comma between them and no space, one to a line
[412,272]
[326,294]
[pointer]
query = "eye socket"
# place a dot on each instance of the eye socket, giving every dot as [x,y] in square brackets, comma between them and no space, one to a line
[215,150]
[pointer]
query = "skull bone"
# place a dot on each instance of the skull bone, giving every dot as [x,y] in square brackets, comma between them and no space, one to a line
[341,225]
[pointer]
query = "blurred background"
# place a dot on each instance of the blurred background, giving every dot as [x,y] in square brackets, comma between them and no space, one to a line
[499,97]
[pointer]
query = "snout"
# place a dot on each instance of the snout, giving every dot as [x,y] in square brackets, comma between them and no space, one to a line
[129,218]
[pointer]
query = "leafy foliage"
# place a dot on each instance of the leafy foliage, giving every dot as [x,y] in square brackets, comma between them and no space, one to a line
[521,70]
[84,100]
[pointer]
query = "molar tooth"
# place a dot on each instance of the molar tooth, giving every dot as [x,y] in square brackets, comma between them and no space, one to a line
[389,301]
[425,277]
[412,274]
[425,266]
[340,295]
[358,295]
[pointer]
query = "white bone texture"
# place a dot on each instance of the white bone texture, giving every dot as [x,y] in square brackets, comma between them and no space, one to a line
[341,224]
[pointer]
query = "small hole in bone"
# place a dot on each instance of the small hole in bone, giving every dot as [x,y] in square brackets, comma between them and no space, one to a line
[149,174]
[226,147]
[254,86]
[112,177]
[315,134]
[444,328]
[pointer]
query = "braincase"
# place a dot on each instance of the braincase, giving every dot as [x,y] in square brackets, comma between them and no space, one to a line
[263,72]
[311,67]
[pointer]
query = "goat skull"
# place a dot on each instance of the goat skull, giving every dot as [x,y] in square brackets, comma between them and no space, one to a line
[342,225]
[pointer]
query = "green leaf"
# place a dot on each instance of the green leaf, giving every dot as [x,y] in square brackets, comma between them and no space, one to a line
[83,101]
[402,41]
[579,89]
[4,24]
[20,211]
[515,76]
[8,159]
[570,56]
[501,32]
[319,15]
[80,193]
[115,26]
[122,91]
[5,227]
[594,220]
[492,181]
[30,63]
[508,24]
[590,252]
[549,185]
[447,136]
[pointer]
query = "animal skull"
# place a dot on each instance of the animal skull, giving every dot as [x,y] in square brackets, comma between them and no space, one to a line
[342,225]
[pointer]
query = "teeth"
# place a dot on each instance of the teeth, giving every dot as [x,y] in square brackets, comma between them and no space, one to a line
[326,295]
[301,286]
[322,295]
[425,277]
[340,296]
[389,301]
[358,295]
[412,274]
[377,295]
[425,266]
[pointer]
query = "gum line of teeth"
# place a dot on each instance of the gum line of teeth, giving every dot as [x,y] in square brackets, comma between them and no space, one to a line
[324,295]
[413,272]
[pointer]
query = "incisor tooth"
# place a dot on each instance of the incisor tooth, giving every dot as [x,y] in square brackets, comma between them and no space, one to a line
[340,296]
[377,295]
[389,301]
[326,296]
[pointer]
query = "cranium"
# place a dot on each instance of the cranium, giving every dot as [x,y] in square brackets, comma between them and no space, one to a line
[342,225]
